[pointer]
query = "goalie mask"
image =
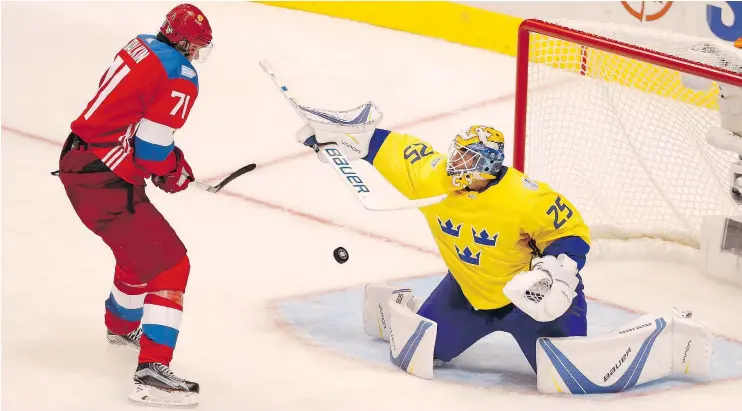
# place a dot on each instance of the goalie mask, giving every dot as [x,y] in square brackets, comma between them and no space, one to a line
[475,154]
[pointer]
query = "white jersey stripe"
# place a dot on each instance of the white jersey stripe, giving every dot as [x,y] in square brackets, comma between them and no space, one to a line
[119,154]
[155,133]
[120,159]
[107,90]
[110,153]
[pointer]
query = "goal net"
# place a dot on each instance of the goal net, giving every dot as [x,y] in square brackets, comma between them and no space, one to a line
[603,116]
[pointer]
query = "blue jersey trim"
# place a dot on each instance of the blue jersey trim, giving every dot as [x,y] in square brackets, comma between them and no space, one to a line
[575,247]
[374,145]
[175,64]
[145,150]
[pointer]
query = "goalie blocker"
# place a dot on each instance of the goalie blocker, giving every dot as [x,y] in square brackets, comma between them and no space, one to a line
[652,347]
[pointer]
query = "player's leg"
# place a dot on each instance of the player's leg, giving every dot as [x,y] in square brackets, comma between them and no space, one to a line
[459,325]
[149,256]
[157,262]
[149,253]
[99,197]
[526,330]
[124,311]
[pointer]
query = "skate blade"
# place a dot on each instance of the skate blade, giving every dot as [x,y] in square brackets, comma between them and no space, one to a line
[155,397]
[116,341]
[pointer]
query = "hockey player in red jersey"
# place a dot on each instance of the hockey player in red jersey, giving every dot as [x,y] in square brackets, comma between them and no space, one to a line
[124,136]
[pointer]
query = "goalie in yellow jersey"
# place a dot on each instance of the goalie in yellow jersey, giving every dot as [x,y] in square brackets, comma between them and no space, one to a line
[513,246]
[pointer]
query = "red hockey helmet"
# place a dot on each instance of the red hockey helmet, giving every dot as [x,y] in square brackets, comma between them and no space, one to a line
[189,30]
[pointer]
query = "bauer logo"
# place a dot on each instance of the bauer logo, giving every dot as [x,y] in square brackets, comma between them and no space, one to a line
[187,72]
[620,362]
[346,170]
[400,294]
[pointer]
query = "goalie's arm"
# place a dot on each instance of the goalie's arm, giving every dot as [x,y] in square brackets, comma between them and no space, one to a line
[411,165]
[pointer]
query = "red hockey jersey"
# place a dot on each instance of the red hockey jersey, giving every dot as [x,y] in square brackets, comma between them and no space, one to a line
[144,96]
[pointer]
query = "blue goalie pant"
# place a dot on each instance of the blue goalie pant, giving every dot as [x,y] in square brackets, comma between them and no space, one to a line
[460,325]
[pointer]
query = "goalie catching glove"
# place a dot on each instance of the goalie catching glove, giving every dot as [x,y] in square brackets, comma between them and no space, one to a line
[545,292]
[350,130]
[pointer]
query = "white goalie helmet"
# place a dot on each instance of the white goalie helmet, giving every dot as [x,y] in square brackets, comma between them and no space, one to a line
[476,153]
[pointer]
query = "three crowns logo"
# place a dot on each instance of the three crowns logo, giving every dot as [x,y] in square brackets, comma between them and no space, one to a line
[484,237]
[449,228]
[467,256]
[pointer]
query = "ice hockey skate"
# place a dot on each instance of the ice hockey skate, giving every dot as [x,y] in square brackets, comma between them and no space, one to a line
[156,385]
[130,340]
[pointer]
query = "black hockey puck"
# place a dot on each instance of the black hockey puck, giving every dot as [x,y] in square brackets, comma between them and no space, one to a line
[341,255]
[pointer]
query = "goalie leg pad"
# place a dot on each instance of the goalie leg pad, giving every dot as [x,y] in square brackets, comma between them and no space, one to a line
[376,308]
[650,348]
[411,337]
[527,331]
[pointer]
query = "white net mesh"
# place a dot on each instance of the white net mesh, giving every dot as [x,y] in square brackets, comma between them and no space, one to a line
[624,139]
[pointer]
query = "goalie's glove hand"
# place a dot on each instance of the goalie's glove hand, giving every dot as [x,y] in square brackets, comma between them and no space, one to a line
[561,269]
[545,292]
[353,144]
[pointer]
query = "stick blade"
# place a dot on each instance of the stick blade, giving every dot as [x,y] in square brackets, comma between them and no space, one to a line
[229,178]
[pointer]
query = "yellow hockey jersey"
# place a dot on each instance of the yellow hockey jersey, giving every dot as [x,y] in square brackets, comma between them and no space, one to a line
[484,237]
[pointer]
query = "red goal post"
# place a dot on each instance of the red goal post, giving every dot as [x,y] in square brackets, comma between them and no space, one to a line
[610,99]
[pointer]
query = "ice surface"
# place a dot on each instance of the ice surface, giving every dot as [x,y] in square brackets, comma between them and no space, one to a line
[269,237]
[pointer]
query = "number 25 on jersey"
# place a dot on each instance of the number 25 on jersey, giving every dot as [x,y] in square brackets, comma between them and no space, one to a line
[558,210]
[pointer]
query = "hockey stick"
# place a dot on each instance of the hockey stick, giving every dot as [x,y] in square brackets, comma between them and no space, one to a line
[342,166]
[227,180]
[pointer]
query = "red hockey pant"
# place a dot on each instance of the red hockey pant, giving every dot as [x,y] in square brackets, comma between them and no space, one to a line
[150,258]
